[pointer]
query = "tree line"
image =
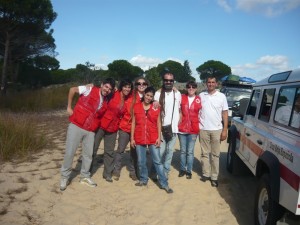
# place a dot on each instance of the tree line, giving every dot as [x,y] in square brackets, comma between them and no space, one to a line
[27,53]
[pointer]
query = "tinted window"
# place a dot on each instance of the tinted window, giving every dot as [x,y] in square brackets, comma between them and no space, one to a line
[253,103]
[266,104]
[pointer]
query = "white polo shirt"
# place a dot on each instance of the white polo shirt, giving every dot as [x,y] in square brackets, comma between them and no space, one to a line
[210,115]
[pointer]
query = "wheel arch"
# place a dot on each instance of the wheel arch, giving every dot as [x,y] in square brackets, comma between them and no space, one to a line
[269,163]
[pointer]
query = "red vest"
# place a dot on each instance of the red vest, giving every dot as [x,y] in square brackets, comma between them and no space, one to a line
[190,116]
[125,123]
[145,125]
[111,119]
[85,113]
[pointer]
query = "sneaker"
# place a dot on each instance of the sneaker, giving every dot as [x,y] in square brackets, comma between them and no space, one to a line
[140,184]
[64,183]
[116,176]
[168,190]
[204,178]
[214,183]
[108,179]
[133,177]
[88,181]
[188,175]
[181,173]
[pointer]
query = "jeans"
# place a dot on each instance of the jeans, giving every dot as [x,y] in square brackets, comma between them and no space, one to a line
[166,152]
[156,161]
[187,144]
[159,168]
[141,151]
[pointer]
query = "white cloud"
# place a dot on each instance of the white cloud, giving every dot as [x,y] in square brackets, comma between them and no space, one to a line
[144,62]
[263,67]
[269,8]
[225,5]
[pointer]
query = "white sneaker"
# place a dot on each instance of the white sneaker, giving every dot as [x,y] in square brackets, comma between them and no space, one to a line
[63,183]
[88,181]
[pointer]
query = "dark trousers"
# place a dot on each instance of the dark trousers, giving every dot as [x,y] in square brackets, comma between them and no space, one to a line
[123,140]
[109,146]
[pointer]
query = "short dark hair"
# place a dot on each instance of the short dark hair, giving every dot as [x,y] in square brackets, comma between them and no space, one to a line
[191,83]
[211,76]
[165,71]
[110,81]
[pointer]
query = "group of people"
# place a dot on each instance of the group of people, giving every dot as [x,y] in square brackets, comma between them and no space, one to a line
[148,119]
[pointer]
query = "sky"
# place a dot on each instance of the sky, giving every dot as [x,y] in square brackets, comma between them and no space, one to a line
[255,38]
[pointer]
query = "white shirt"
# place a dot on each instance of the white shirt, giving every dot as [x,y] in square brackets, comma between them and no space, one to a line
[210,115]
[169,99]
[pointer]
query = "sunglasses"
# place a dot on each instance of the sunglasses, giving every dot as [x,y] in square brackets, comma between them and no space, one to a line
[194,87]
[141,83]
[167,80]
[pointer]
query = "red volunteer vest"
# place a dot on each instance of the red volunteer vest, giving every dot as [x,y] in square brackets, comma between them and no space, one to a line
[145,132]
[190,116]
[125,123]
[111,119]
[86,114]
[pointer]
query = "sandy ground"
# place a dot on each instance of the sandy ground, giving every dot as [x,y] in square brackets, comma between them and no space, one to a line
[29,192]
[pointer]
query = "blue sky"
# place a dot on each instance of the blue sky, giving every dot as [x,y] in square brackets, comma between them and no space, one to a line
[256,38]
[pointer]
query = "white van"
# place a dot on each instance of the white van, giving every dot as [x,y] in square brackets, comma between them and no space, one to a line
[267,140]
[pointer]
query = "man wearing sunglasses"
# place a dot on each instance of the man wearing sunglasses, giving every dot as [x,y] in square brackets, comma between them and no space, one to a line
[169,101]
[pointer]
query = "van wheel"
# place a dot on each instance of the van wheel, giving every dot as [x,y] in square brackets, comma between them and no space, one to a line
[266,210]
[231,156]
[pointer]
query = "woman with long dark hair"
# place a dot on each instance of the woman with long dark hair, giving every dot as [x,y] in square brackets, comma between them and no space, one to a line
[146,133]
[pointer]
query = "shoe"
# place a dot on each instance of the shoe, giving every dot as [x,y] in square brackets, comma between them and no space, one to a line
[154,178]
[116,176]
[204,178]
[188,175]
[181,173]
[108,179]
[168,190]
[140,184]
[88,181]
[133,177]
[214,183]
[64,183]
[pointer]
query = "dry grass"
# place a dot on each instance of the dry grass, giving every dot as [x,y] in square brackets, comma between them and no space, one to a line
[19,137]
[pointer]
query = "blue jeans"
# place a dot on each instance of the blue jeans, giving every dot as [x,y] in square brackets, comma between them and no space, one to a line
[142,164]
[159,168]
[187,144]
[141,151]
[166,152]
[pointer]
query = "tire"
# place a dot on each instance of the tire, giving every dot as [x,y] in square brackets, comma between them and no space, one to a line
[266,211]
[231,156]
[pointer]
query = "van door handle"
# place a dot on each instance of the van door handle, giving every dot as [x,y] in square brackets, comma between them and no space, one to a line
[259,142]
[247,134]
